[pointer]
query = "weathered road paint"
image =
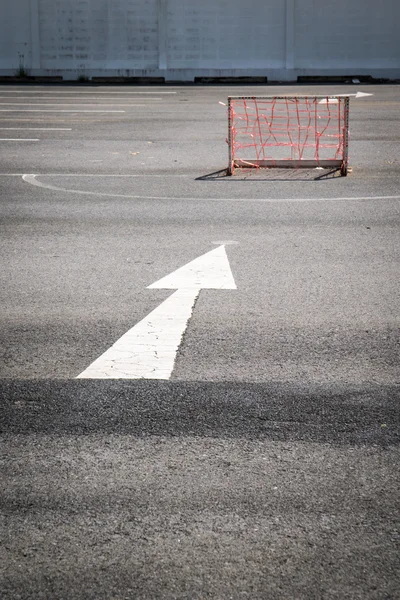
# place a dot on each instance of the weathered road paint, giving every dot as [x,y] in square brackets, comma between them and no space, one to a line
[334,100]
[148,350]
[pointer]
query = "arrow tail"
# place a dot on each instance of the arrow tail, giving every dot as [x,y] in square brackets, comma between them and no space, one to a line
[148,350]
[330,100]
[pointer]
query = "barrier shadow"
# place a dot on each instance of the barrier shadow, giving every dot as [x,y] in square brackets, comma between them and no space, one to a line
[272,174]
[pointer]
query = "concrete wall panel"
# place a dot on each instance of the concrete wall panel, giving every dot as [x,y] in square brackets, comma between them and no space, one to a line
[347,34]
[225,34]
[99,34]
[15,34]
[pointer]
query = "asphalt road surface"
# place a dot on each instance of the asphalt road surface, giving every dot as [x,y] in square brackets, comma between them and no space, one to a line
[265,463]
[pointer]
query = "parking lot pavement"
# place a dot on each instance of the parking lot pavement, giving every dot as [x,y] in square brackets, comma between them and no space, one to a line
[265,461]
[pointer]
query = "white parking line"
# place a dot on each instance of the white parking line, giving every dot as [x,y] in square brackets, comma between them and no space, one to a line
[18,140]
[82,92]
[20,97]
[31,179]
[62,104]
[55,110]
[36,128]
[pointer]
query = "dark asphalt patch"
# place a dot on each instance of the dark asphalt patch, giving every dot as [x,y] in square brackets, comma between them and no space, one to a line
[342,414]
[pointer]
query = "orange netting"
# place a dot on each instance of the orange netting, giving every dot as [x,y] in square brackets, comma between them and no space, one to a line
[291,131]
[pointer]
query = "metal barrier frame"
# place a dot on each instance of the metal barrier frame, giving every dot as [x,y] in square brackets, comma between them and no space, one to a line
[341,163]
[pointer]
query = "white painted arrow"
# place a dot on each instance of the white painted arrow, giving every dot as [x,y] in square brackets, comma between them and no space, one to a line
[334,100]
[360,95]
[148,350]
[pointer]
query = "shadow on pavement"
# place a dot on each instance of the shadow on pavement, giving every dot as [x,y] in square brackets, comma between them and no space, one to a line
[272,175]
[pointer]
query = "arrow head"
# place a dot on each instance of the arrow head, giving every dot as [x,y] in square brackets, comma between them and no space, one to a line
[362,94]
[210,271]
[335,100]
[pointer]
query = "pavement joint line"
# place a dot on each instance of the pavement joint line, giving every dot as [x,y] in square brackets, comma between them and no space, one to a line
[31,179]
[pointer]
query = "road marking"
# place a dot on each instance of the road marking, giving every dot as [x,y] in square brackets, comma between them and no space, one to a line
[55,110]
[358,95]
[81,91]
[18,140]
[19,97]
[36,128]
[63,104]
[148,350]
[329,100]
[210,271]
[30,178]
[48,119]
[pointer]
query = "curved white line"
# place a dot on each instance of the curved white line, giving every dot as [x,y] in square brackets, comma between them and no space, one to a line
[33,181]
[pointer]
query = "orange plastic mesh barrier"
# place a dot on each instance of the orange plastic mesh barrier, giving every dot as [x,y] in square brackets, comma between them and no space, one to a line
[307,131]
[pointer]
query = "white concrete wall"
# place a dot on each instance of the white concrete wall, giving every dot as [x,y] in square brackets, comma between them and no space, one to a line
[226,34]
[98,34]
[349,34]
[182,39]
[15,34]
